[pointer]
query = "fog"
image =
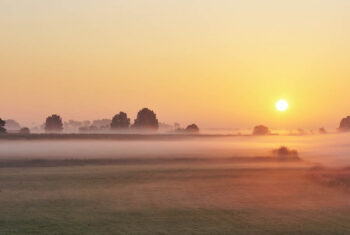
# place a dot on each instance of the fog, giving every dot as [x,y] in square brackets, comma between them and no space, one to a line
[221,185]
[328,150]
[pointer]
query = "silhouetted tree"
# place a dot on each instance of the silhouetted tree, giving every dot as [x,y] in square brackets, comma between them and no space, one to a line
[261,130]
[24,131]
[146,119]
[53,123]
[193,128]
[345,124]
[2,126]
[102,123]
[12,125]
[120,121]
[322,131]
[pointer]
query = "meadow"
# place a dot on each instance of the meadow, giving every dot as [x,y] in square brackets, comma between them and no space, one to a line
[200,186]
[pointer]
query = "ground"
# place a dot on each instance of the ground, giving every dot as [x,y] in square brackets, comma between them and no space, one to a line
[173,198]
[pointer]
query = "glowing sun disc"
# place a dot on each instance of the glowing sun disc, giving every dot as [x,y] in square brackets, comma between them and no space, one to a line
[282,105]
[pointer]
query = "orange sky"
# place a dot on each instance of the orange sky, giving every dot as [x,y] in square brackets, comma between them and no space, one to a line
[217,63]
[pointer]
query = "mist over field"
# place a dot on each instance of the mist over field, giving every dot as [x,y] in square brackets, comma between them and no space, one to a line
[328,150]
[174,117]
[186,185]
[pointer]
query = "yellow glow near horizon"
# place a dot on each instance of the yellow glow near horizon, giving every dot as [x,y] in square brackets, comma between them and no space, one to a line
[282,105]
[220,64]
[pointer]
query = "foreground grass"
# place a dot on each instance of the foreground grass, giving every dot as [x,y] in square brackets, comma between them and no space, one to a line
[168,199]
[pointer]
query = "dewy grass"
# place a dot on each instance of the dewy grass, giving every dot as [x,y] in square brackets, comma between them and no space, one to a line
[169,199]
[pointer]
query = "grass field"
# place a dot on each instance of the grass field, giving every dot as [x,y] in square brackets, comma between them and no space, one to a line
[218,185]
[173,198]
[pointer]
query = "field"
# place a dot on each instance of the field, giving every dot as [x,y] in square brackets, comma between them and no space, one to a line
[169,195]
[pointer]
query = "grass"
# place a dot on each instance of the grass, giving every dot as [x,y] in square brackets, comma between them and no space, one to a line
[169,199]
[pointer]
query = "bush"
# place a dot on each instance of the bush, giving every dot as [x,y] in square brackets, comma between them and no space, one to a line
[24,131]
[285,152]
[193,128]
[261,130]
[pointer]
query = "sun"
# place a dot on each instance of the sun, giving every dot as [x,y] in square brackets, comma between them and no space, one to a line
[282,105]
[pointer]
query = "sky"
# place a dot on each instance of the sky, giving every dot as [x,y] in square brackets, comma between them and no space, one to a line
[220,64]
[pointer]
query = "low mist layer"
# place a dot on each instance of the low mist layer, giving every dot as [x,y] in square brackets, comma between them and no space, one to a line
[328,150]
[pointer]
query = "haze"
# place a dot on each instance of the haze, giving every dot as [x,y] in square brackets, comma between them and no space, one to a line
[326,150]
[223,64]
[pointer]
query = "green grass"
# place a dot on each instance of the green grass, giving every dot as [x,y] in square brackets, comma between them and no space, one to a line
[164,199]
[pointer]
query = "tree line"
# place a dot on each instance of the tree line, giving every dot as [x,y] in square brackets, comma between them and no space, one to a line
[146,120]
[344,126]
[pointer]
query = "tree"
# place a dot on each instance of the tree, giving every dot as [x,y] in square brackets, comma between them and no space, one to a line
[102,123]
[53,123]
[120,121]
[2,126]
[12,125]
[24,131]
[345,124]
[193,128]
[146,119]
[261,130]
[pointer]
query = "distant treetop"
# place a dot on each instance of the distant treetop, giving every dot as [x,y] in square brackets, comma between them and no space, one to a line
[345,124]
[2,126]
[261,130]
[193,128]
[102,123]
[12,125]
[54,123]
[24,131]
[120,121]
[146,119]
